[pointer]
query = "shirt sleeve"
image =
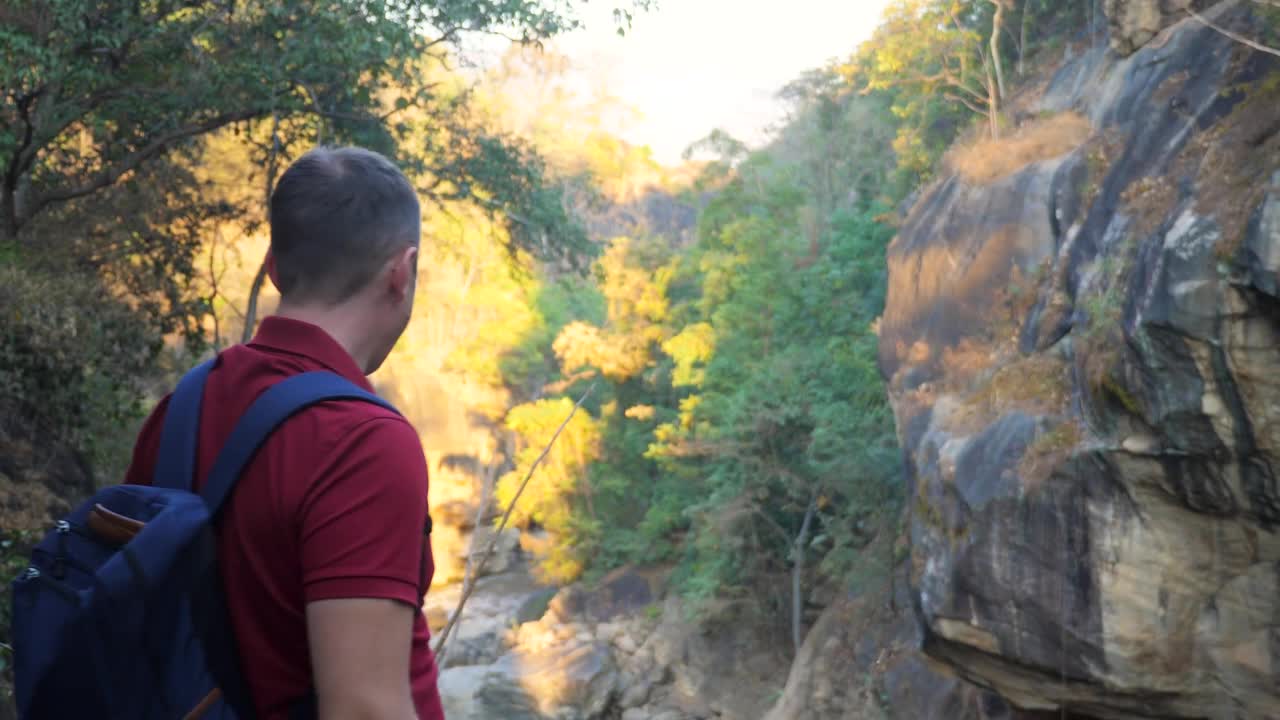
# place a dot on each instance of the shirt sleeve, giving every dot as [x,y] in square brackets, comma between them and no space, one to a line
[362,521]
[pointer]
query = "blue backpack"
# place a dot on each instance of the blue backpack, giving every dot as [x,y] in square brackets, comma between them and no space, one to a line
[121,614]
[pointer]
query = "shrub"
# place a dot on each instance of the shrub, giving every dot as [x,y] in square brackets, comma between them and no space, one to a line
[71,359]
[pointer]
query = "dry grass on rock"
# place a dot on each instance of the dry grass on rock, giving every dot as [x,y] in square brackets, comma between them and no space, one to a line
[984,160]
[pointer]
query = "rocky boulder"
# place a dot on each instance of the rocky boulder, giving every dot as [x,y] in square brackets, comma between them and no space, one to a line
[503,549]
[1084,362]
[565,681]
[1134,23]
[861,661]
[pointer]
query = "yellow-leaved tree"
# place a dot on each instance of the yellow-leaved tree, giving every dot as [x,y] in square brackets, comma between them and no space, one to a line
[550,501]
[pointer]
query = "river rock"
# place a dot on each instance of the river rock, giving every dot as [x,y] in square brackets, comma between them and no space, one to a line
[477,648]
[459,687]
[563,683]
[583,677]
[505,549]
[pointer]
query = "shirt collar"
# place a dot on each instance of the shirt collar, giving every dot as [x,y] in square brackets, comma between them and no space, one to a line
[310,341]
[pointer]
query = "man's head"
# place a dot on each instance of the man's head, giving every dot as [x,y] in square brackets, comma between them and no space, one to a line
[345,225]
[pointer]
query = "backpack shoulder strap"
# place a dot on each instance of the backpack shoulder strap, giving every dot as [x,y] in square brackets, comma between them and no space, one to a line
[176,460]
[272,408]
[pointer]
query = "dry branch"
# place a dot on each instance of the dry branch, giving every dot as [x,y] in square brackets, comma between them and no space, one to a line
[502,525]
[1234,35]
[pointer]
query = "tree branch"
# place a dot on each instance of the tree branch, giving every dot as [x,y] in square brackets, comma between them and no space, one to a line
[786,537]
[259,278]
[967,103]
[447,36]
[502,525]
[1236,36]
[137,157]
[797,573]
[14,172]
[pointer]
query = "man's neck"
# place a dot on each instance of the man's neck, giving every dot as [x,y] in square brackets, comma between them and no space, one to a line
[347,328]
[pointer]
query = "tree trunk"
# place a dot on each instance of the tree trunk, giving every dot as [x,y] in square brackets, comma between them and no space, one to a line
[9,215]
[997,26]
[1022,39]
[213,292]
[993,107]
[273,158]
[251,310]
[797,573]
[993,97]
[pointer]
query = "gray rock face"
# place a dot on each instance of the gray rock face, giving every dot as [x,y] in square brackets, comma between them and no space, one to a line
[1084,363]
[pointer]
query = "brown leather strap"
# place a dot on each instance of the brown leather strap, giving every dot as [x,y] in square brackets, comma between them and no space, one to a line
[112,527]
[199,710]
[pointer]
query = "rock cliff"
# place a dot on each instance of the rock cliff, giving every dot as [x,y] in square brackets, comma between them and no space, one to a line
[1083,356]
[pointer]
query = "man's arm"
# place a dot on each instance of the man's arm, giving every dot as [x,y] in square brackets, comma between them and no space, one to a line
[361,543]
[360,658]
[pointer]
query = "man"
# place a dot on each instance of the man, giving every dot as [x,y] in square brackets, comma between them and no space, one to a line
[322,546]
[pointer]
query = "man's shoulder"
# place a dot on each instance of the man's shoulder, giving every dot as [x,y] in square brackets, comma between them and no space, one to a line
[357,433]
[365,418]
[245,373]
[377,427]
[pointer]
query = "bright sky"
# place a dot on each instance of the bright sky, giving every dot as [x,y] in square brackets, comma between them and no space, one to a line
[691,66]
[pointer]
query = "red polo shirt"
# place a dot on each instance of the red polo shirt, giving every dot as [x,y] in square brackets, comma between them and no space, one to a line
[332,506]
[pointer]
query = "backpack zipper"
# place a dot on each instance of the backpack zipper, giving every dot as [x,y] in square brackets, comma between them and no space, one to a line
[52,560]
[59,567]
[33,575]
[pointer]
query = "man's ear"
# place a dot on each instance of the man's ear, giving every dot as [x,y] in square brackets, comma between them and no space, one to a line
[270,262]
[401,272]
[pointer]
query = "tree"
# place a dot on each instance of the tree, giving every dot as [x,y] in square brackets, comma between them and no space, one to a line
[551,502]
[929,55]
[837,143]
[94,92]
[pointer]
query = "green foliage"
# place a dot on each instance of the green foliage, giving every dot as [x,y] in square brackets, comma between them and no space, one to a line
[15,547]
[531,363]
[93,92]
[738,378]
[507,178]
[791,411]
[70,359]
